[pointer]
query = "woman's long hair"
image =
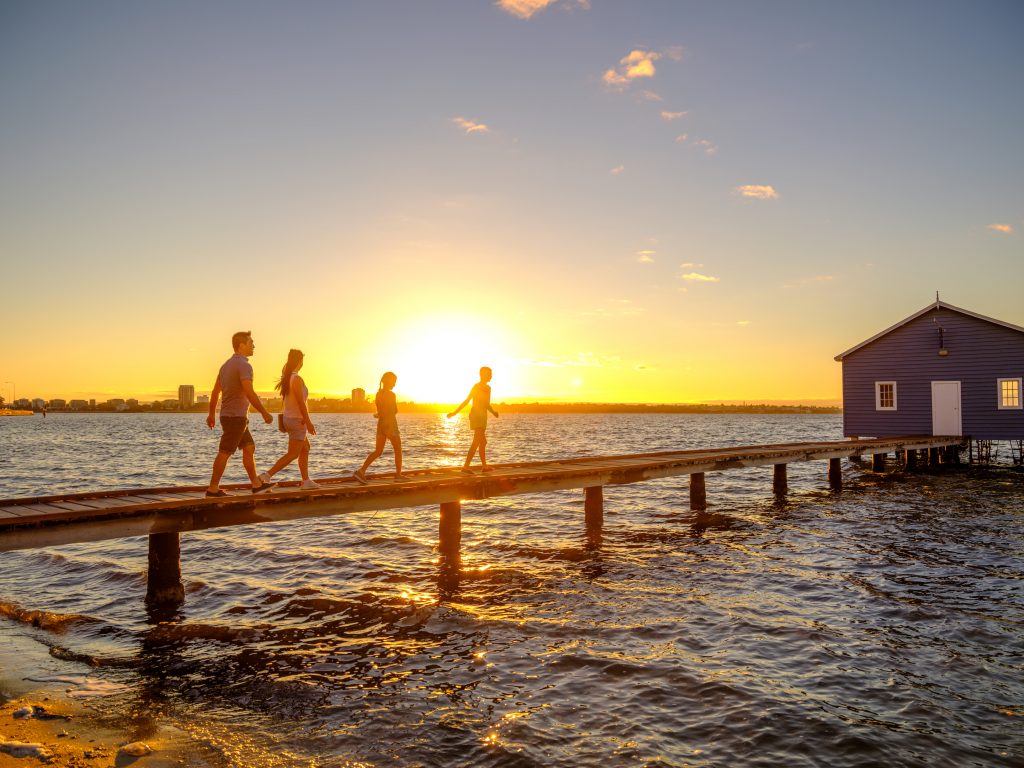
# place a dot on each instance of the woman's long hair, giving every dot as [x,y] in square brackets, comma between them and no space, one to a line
[294,361]
[387,375]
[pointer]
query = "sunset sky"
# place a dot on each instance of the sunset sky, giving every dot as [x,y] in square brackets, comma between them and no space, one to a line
[604,201]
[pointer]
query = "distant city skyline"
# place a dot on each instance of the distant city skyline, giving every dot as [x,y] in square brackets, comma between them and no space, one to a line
[646,201]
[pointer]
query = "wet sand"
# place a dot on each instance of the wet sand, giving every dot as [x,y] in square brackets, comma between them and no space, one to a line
[54,712]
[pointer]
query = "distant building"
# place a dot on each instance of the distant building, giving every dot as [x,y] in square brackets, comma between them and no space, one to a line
[58,403]
[78,405]
[116,402]
[186,396]
[92,402]
[203,399]
[131,402]
[358,396]
[38,403]
[941,371]
[23,403]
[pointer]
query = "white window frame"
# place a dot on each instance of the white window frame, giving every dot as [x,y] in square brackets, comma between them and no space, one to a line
[878,396]
[999,393]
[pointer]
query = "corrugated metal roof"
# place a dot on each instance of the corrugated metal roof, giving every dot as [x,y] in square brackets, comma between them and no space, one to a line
[934,305]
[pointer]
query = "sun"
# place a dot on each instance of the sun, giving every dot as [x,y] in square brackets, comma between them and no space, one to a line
[437,359]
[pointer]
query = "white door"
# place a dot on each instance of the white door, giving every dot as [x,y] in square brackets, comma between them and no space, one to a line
[946,408]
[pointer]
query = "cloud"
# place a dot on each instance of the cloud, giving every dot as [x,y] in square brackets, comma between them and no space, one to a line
[617,170]
[815,280]
[650,96]
[1006,229]
[635,64]
[645,257]
[682,137]
[524,9]
[697,277]
[672,115]
[743,322]
[709,147]
[469,126]
[674,52]
[691,265]
[758,191]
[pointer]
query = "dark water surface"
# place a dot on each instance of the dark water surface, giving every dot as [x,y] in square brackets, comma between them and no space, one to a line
[883,625]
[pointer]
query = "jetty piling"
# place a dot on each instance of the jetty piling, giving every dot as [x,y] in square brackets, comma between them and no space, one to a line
[162,514]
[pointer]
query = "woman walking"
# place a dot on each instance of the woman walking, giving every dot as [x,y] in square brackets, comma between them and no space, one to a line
[387,427]
[296,420]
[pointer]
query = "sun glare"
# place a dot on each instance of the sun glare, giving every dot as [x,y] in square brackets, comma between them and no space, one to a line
[439,359]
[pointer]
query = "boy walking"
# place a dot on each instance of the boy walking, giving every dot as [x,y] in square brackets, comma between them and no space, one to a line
[480,395]
[234,382]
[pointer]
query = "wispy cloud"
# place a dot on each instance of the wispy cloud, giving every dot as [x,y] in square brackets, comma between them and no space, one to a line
[815,280]
[758,191]
[650,96]
[672,115]
[697,277]
[635,64]
[708,147]
[617,170]
[682,137]
[674,52]
[743,322]
[691,265]
[645,257]
[470,126]
[1006,229]
[524,9]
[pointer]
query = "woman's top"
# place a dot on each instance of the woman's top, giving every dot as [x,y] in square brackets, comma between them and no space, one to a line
[387,407]
[291,400]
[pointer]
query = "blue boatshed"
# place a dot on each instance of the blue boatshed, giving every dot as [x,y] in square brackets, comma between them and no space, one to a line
[941,371]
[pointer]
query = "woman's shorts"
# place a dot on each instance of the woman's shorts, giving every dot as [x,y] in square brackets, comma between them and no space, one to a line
[295,427]
[477,421]
[388,430]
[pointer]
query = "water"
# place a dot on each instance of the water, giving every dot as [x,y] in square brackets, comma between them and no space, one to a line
[878,626]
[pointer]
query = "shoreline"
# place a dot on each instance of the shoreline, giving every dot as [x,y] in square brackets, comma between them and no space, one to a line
[70,717]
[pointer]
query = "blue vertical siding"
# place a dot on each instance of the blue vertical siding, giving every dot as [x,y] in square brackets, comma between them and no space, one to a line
[979,353]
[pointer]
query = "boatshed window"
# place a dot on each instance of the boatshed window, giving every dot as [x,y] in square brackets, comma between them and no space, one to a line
[1009,393]
[885,395]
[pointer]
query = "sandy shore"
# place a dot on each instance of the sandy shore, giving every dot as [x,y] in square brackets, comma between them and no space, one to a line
[62,714]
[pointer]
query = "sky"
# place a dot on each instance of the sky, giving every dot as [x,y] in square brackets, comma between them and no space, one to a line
[603,201]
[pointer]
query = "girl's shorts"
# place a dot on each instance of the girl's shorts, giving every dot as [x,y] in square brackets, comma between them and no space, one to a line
[295,427]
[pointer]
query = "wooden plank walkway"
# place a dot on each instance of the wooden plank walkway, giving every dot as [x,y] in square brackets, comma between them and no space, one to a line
[44,521]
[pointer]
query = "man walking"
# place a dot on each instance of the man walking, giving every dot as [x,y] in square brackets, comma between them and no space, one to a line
[234,382]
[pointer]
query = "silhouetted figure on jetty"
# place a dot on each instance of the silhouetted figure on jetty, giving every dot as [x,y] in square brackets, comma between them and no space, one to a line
[387,427]
[480,395]
[295,420]
[234,383]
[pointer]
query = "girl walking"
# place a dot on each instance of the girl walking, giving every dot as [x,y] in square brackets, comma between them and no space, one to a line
[296,421]
[387,427]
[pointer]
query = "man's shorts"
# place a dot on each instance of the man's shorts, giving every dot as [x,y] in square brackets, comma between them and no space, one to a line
[236,433]
[295,427]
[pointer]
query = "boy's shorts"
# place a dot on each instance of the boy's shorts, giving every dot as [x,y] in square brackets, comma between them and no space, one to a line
[236,433]
[477,421]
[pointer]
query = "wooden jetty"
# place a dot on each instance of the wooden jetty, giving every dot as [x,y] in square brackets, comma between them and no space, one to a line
[163,514]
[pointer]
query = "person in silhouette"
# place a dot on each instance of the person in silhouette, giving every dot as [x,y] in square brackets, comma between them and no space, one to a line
[295,420]
[387,427]
[480,396]
[234,382]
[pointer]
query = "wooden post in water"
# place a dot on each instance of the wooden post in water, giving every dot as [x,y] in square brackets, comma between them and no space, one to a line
[779,479]
[698,494]
[593,509]
[835,474]
[450,530]
[911,460]
[878,462]
[163,580]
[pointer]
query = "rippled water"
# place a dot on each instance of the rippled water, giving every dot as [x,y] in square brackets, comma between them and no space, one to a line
[878,626]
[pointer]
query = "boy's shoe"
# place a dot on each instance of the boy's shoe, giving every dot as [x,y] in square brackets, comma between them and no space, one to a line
[487,469]
[310,485]
[264,477]
[467,471]
[264,488]
[359,477]
[217,494]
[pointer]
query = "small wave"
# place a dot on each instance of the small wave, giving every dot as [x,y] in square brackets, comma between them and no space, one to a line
[49,621]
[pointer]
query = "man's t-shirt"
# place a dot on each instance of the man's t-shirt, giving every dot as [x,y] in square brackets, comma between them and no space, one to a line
[232,374]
